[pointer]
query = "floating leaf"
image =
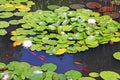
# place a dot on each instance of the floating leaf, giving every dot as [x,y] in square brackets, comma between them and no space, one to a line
[49,67]
[20,13]
[6,14]
[109,75]
[3,32]
[14,22]
[4,24]
[116,55]
[72,74]
[94,74]
[2,66]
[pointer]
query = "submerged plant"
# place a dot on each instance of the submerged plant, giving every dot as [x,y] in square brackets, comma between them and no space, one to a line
[64,30]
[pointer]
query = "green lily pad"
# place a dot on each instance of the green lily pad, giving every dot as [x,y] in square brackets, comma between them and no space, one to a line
[72,74]
[4,24]
[53,7]
[6,14]
[49,67]
[109,75]
[116,55]
[2,66]
[14,22]
[20,13]
[3,32]
[94,74]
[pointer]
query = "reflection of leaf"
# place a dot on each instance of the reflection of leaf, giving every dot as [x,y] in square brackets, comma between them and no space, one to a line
[53,7]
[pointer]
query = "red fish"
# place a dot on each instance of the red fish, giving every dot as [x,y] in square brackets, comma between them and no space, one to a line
[7,55]
[42,57]
[85,69]
[33,53]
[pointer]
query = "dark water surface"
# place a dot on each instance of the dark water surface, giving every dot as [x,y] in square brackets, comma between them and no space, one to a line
[96,59]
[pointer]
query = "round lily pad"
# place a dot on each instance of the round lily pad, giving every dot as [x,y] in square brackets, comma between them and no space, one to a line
[6,14]
[3,32]
[20,13]
[4,24]
[109,75]
[94,74]
[77,6]
[49,67]
[14,22]
[53,7]
[72,74]
[106,9]
[116,55]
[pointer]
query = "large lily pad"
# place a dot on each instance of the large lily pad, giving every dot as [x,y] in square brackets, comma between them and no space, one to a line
[109,75]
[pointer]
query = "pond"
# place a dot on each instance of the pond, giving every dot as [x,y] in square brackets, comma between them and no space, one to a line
[93,60]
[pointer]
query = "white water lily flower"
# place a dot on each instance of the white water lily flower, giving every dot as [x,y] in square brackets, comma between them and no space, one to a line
[91,21]
[6,76]
[27,44]
[37,72]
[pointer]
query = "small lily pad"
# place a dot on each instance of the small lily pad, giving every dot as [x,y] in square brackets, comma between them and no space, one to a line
[116,55]
[94,74]
[3,32]
[14,22]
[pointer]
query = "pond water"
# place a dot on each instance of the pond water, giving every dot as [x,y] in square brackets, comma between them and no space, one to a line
[96,59]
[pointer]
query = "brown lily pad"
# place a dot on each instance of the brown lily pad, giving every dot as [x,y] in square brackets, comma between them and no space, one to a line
[93,5]
[106,9]
[113,15]
[76,6]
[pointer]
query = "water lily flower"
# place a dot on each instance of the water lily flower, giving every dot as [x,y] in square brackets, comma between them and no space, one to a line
[6,76]
[91,21]
[37,72]
[60,51]
[27,43]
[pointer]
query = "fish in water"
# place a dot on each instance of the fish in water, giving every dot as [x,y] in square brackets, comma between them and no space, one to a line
[7,55]
[33,53]
[85,69]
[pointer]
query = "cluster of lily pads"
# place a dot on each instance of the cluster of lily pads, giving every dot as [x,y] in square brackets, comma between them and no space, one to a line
[63,30]
[22,70]
[10,8]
